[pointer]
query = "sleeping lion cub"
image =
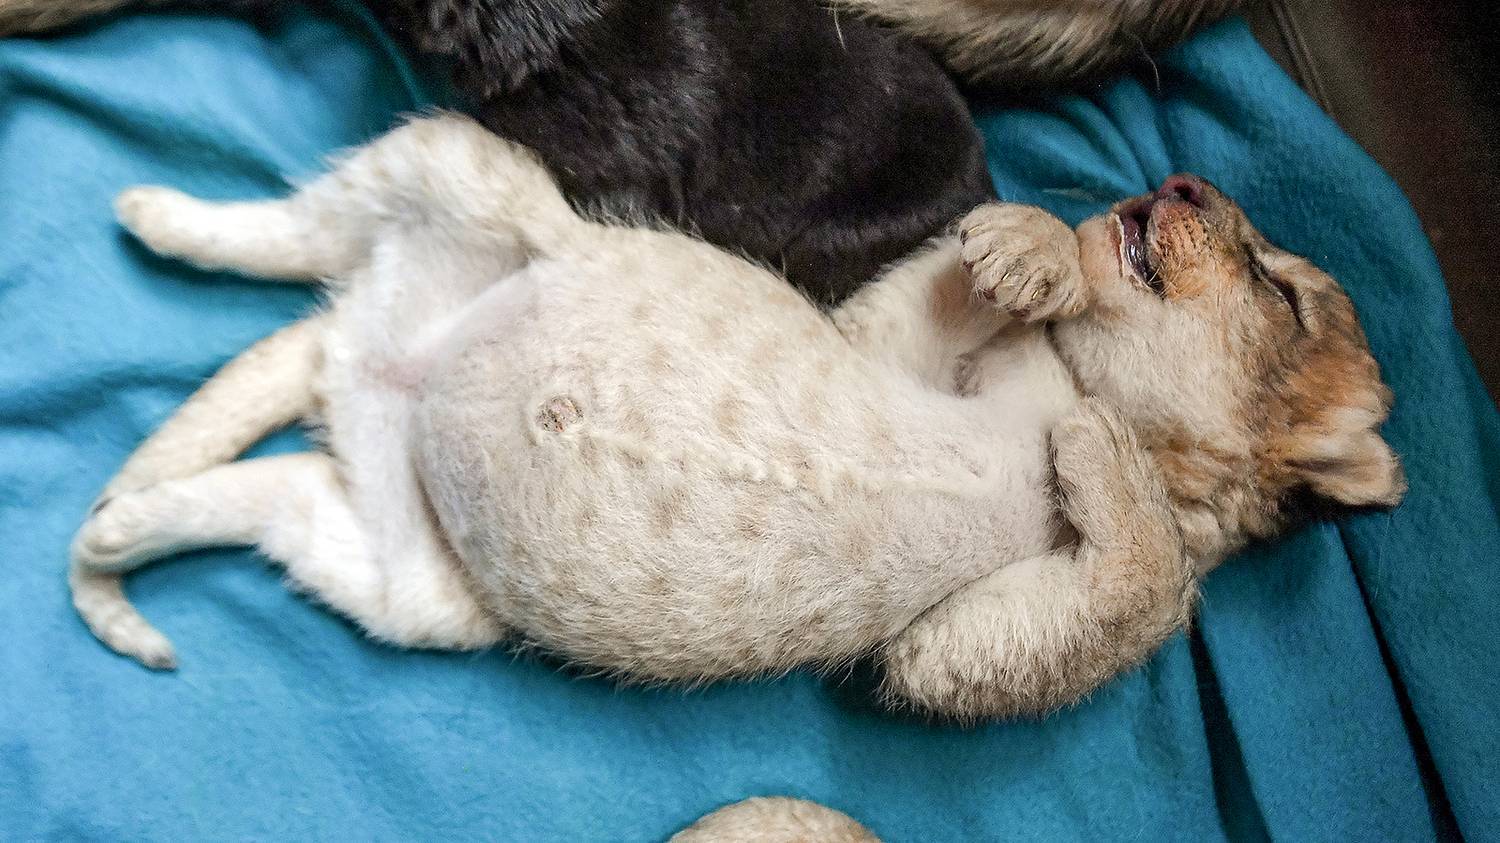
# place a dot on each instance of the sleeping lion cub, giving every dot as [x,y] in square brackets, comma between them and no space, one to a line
[654,458]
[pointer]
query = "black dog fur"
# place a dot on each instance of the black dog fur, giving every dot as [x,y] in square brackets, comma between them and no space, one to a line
[821,146]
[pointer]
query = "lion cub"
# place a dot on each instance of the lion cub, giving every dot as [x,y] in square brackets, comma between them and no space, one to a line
[654,458]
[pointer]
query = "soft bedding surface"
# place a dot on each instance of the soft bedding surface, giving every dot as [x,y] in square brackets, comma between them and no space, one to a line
[1342,684]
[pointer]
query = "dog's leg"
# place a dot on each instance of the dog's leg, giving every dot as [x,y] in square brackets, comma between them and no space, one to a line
[295,510]
[440,164]
[1041,634]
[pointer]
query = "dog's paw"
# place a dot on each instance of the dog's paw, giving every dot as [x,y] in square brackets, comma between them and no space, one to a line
[1023,259]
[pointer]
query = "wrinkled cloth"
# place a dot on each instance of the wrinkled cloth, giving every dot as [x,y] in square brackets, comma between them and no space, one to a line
[1340,684]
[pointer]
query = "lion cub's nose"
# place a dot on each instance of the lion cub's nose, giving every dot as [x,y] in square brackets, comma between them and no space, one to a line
[1187,187]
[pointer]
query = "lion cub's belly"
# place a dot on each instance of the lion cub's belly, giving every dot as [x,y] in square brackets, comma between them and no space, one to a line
[690,486]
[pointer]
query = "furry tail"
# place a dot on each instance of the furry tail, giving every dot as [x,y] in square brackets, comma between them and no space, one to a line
[775,819]
[100,601]
[1033,43]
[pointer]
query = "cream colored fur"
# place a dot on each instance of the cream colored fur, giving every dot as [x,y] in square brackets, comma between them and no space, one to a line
[775,819]
[624,445]
[654,458]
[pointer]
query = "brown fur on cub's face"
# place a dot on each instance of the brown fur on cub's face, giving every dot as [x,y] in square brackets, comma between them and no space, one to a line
[1243,367]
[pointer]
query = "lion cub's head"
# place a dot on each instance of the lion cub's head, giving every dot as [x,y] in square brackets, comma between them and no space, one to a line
[1242,366]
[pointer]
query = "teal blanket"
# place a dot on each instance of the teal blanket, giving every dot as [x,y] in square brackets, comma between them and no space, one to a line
[1341,684]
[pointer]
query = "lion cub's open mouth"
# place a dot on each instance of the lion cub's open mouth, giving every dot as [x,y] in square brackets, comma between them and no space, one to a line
[1135,233]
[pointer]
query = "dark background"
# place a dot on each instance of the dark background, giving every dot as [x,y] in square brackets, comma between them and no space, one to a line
[1417,84]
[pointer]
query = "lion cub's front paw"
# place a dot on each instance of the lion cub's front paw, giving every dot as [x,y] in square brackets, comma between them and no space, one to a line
[1112,490]
[1023,259]
[1093,449]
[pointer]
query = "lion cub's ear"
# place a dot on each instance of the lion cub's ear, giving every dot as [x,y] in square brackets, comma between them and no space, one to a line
[1350,467]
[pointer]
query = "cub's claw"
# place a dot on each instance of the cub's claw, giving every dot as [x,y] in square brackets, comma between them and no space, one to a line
[1023,259]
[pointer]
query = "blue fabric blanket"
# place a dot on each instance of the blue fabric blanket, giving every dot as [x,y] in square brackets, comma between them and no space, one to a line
[1342,684]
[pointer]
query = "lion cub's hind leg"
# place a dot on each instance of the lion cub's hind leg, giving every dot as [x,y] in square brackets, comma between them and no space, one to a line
[267,387]
[296,239]
[442,179]
[445,172]
[295,510]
